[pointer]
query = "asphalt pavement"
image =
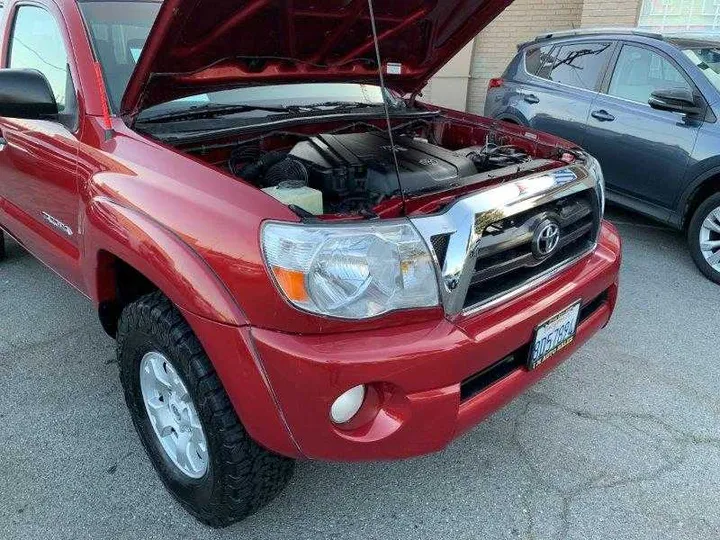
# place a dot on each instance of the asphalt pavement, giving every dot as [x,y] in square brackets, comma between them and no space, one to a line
[621,442]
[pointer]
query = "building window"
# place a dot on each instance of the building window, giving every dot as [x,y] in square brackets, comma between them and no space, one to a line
[702,16]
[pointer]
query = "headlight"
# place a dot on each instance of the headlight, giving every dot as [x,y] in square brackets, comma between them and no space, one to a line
[351,271]
[596,170]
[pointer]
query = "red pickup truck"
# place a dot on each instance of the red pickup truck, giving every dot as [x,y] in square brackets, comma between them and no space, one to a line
[298,259]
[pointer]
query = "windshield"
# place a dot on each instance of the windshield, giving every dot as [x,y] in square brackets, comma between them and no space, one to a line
[119,30]
[708,60]
[285,95]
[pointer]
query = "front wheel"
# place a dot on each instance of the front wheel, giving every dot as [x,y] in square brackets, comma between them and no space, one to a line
[704,238]
[186,422]
[2,246]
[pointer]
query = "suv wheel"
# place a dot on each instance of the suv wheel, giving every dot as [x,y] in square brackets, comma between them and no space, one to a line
[186,423]
[704,237]
[3,254]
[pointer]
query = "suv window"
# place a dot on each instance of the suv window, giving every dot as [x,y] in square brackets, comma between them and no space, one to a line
[581,65]
[707,59]
[38,44]
[639,72]
[534,58]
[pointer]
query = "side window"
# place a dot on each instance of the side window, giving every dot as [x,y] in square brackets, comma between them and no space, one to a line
[581,65]
[37,43]
[639,72]
[534,58]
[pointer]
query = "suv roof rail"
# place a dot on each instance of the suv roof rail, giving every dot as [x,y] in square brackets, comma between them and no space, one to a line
[578,32]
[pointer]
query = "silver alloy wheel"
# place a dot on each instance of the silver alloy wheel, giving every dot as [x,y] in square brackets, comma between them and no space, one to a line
[173,415]
[710,239]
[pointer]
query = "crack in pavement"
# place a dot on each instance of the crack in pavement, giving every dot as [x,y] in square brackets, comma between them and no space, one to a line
[615,355]
[565,497]
[681,436]
[671,461]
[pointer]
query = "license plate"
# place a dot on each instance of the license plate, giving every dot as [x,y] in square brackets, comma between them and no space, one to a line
[554,335]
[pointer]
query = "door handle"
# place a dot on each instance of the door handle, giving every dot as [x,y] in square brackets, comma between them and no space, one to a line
[531,98]
[603,116]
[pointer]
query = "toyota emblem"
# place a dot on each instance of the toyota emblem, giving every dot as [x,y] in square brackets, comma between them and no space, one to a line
[546,239]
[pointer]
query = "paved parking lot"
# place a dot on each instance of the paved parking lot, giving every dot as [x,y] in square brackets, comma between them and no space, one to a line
[622,442]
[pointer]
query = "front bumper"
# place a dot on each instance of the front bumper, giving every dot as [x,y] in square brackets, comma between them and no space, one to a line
[419,374]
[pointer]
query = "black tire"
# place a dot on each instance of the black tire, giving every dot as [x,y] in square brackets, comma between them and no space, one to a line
[701,214]
[3,253]
[241,476]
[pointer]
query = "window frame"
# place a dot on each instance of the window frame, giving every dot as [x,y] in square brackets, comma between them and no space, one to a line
[557,46]
[70,121]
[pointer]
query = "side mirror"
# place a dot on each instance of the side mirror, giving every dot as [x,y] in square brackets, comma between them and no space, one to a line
[26,93]
[676,100]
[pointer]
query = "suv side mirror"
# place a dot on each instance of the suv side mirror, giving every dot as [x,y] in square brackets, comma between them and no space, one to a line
[26,93]
[675,100]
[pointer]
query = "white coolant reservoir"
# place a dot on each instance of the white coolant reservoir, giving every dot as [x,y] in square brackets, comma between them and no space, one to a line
[294,192]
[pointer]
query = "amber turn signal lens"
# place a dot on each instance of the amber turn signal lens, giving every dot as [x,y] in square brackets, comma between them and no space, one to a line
[292,283]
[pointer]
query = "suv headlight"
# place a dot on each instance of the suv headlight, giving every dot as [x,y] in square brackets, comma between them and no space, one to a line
[351,271]
[596,170]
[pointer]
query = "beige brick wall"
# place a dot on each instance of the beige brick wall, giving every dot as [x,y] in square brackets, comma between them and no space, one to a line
[497,44]
[600,13]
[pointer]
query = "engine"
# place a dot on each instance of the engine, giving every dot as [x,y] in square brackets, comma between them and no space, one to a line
[345,164]
[356,171]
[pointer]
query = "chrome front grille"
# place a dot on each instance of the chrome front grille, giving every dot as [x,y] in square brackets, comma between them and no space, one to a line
[495,243]
[507,260]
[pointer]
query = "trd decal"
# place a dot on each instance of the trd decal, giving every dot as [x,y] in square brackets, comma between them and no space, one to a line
[57,224]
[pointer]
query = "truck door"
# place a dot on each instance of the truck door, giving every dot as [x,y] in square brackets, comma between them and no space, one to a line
[39,192]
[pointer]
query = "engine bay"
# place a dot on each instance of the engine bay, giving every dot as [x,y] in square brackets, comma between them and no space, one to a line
[339,169]
[352,173]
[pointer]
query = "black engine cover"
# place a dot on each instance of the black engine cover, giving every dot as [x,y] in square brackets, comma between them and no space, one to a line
[343,164]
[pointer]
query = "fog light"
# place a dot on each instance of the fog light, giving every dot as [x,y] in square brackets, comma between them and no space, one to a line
[347,405]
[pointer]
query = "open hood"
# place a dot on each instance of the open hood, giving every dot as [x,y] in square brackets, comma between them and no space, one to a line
[199,46]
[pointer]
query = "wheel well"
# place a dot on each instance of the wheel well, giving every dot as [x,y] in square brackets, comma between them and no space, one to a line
[703,191]
[119,285]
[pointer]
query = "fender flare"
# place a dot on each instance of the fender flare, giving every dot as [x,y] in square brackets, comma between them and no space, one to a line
[158,254]
[513,118]
[185,278]
[691,189]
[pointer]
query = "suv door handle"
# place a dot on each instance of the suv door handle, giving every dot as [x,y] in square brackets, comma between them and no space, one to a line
[531,98]
[603,116]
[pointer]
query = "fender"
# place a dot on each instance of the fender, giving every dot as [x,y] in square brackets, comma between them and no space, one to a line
[678,218]
[160,255]
[208,307]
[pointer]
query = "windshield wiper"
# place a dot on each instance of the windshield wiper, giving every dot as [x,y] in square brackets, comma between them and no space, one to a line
[335,105]
[211,111]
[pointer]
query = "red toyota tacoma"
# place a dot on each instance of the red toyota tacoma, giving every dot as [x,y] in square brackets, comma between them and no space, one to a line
[298,259]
